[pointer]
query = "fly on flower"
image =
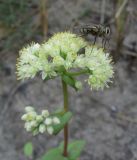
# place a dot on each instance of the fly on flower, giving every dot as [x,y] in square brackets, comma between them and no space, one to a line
[96,30]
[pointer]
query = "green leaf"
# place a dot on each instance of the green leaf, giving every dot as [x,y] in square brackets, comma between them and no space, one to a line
[54,154]
[74,149]
[28,149]
[64,118]
[69,80]
[63,55]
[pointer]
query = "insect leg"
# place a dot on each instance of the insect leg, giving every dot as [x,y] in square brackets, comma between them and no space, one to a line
[106,41]
[94,42]
[82,35]
[103,42]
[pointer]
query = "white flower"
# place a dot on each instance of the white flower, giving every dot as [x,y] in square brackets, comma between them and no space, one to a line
[48,121]
[36,47]
[42,128]
[24,117]
[28,126]
[58,61]
[30,116]
[59,50]
[29,109]
[39,118]
[33,123]
[80,62]
[45,113]
[28,63]
[56,120]
[50,130]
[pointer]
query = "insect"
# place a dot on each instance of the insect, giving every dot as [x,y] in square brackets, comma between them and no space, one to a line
[97,31]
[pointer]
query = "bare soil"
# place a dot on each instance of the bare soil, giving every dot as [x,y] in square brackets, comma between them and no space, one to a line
[107,119]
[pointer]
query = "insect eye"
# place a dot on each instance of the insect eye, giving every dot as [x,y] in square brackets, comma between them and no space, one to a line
[107,30]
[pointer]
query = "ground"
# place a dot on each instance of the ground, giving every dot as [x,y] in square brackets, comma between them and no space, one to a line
[105,119]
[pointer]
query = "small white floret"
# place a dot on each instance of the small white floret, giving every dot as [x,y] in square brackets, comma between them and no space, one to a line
[39,118]
[28,126]
[24,117]
[48,121]
[45,113]
[33,123]
[56,120]
[29,109]
[42,128]
[35,47]
[50,130]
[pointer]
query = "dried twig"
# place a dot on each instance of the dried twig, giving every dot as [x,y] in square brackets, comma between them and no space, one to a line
[119,12]
[103,8]
[44,17]
[120,17]
[121,8]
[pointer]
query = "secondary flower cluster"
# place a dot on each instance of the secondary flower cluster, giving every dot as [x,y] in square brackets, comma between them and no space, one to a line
[61,53]
[39,123]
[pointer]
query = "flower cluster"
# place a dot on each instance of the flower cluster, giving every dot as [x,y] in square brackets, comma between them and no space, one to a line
[39,123]
[99,65]
[60,54]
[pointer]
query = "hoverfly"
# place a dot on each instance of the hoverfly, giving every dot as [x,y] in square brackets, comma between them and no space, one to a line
[95,30]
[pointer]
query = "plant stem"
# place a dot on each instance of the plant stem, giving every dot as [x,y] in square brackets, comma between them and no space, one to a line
[78,73]
[65,93]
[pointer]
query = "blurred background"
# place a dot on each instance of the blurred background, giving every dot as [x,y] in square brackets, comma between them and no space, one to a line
[107,119]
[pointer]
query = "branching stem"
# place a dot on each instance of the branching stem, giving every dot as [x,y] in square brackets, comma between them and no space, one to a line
[78,73]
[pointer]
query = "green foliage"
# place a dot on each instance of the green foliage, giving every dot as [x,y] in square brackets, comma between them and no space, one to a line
[54,154]
[11,11]
[28,149]
[16,19]
[63,120]
[69,80]
[74,150]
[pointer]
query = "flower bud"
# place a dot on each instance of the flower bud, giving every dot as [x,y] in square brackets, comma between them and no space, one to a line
[48,121]
[50,130]
[42,128]
[33,123]
[28,126]
[29,109]
[24,117]
[31,116]
[39,118]
[56,120]
[45,113]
